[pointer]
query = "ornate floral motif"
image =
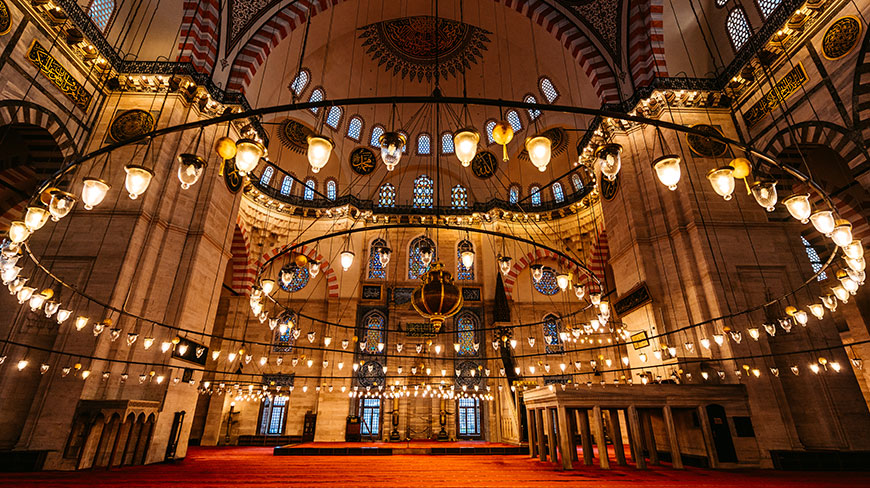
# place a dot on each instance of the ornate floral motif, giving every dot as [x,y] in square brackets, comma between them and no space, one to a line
[602,16]
[703,146]
[841,37]
[243,14]
[5,18]
[130,123]
[407,46]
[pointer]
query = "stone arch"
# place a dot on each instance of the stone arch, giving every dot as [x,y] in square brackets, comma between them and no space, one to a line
[243,273]
[325,267]
[24,112]
[591,58]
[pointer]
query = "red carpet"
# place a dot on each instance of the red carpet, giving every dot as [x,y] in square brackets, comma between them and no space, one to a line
[256,467]
[416,444]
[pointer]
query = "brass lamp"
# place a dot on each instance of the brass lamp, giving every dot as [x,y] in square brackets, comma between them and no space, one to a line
[437,299]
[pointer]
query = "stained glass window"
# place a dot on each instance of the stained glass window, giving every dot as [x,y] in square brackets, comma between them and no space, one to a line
[416,269]
[333,117]
[272,417]
[815,260]
[308,194]
[423,191]
[513,119]
[377,132]
[558,194]
[376,269]
[514,194]
[459,197]
[535,192]
[577,182]
[533,113]
[331,189]
[489,128]
[286,185]
[466,324]
[374,331]
[548,90]
[267,175]
[767,6]
[300,82]
[463,273]
[370,416]
[552,341]
[446,143]
[283,342]
[469,416]
[423,141]
[354,128]
[547,284]
[100,11]
[300,279]
[738,28]
[316,96]
[387,195]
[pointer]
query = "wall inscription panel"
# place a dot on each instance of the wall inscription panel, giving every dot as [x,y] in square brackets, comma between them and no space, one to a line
[58,75]
[784,88]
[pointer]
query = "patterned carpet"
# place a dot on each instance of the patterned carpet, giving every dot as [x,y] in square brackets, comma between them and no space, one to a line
[256,467]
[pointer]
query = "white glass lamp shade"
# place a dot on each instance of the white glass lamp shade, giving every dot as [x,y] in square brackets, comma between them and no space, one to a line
[248,155]
[764,192]
[854,250]
[319,150]
[668,170]
[384,254]
[286,275]
[540,149]
[62,315]
[595,298]
[817,309]
[841,293]
[24,294]
[823,221]
[268,286]
[94,190]
[842,233]
[392,144]
[563,281]
[61,204]
[18,232]
[346,260]
[722,180]
[610,160]
[858,264]
[9,274]
[801,317]
[537,272]
[137,180]
[426,255]
[504,264]
[190,169]
[465,145]
[580,291]
[467,258]
[799,207]
[37,300]
[313,267]
[35,218]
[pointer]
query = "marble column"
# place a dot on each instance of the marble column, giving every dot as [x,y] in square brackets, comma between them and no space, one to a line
[676,459]
[552,435]
[635,437]
[565,439]
[616,434]
[530,425]
[539,427]
[598,425]
[585,436]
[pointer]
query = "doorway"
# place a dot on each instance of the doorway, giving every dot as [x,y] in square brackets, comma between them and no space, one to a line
[721,434]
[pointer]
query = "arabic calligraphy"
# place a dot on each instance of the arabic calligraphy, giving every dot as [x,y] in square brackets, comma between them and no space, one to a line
[781,91]
[57,74]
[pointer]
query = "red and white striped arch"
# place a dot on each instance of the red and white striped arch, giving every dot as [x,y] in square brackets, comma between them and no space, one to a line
[200,34]
[243,272]
[325,268]
[646,41]
[255,51]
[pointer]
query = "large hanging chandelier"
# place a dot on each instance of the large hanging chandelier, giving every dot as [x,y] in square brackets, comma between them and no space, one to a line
[438,298]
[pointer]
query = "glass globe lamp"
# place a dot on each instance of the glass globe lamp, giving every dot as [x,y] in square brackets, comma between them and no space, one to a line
[35,218]
[580,291]
[319,150]
[467,258]
[504,264]
[799,207]
[190,169]
[346,260]
[18,232]
[137,180]
[668,170]
[609,160]
[94,191]
[248,155]
[842,233]
[537,272]
[540,149]
[854,249]
[563,280]
[384,254]
[764,191]
[465,145]
[392,145]
[426,255]
[61,204]
[313,267]
[823,221]
[722,180]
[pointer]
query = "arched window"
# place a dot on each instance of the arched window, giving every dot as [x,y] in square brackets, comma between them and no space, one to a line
[552,341]
[459,197]
[416,268]
[374,323]
[535,192]
[354,128]
[423,192]
[548,90]
[300,279]
[767,6]
[533,113]
[286,185]
[300,82]
[577,182]
[331,189]
[815,260]
[423,143]
[466,326]
[513,119]
[463,273]
[333,117]
[377,132]
[267,175]
[377,271]
[558,194]
[446,143]
[738,28]
[721,3]
[308,193]
[316,96]
[274,410]
[468,413]
[489,128]
[547,284]
[387,195]
[514,194]
[100,12]
[370,416]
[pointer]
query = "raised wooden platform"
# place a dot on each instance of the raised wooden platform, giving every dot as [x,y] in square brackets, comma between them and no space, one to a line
[398,448]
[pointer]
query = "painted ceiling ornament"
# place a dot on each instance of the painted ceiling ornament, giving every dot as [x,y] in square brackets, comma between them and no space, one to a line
[559,143]
[602,17]
[704,146]
[841,37]
[406,46]
[294,135]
